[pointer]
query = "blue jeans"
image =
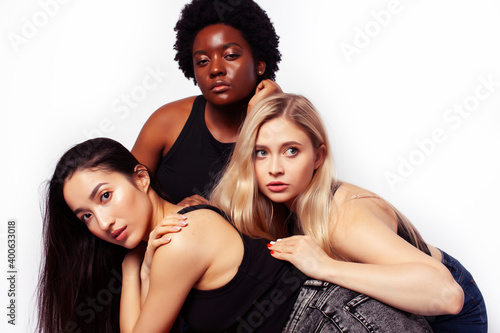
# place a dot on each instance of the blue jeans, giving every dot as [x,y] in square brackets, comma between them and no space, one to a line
[473,316]
[325,307]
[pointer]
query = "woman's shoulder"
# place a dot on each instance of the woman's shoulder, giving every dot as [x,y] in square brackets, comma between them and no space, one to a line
[161,130]
[209,242]
[346,192]
[205,229]
[355,204]
[205,213]
[207,220]
[174,111]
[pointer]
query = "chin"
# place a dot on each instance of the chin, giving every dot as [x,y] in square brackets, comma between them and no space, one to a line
[279,200]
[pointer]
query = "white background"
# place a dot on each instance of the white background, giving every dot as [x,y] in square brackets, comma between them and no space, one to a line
[66,71]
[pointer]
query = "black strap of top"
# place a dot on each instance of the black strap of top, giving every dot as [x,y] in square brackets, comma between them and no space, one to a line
[196,207]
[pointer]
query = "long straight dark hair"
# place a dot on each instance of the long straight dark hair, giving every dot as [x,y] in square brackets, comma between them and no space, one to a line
[80,283]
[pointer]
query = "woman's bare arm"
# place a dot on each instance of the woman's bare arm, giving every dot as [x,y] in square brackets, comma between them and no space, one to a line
[383,266]
[175,269]
[205,254]
[160,132]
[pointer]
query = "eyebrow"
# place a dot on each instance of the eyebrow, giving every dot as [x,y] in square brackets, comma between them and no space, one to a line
[225,46]
[91,196]
[284,144]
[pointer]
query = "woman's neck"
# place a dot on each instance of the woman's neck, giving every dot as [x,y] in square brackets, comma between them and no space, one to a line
[224,122]
[161,208]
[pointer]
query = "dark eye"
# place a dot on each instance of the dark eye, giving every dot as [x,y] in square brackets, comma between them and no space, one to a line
[105,196]
[201,62]
[232,56]
[86,217]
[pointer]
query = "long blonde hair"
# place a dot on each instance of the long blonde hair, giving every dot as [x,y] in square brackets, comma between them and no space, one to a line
[237,192]
[254,214]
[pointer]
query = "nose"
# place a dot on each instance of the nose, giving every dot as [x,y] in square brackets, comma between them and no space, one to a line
[276,167]
[105,221]
[217,67]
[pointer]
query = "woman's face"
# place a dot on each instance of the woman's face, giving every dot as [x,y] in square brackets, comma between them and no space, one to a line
[224,66]
[112,208]
[285,160]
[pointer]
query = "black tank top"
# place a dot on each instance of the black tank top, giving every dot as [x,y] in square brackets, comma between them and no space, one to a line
[259,298]
[193,163]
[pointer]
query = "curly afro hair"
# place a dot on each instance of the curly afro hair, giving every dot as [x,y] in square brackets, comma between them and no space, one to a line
[243,15]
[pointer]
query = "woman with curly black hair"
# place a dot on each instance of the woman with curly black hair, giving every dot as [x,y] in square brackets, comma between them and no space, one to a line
[230,50]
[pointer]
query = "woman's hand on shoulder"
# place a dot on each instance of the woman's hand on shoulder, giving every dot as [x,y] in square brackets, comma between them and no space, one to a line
[175,269]
[304,253]
[264,89]
[172,223]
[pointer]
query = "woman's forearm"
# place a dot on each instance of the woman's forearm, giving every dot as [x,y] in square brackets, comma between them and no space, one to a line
[424,287]
[144,285]
[130,303]
[412,287]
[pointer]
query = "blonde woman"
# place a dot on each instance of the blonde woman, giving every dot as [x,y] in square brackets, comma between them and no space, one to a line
[280,183]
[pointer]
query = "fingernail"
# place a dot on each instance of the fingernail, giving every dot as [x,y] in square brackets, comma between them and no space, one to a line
[278,240]
[166,240]
[183,222]
[183,216]
[269,245]
[272,242]
[176,227]
[272,252]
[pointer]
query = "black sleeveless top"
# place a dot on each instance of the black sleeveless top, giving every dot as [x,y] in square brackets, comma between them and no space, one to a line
[193,163]
[259,298]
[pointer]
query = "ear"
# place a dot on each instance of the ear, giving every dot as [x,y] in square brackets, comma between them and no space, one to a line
[260,67]
[320,156]
[141,177]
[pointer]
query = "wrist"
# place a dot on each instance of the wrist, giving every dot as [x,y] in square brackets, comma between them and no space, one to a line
[329,271]
[144,274]
[130,272]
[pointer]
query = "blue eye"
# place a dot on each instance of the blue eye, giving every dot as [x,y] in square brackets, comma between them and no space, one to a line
[260,153]
[292,151]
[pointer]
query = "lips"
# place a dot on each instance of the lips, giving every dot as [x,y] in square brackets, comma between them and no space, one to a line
[119,234]
[219,86]
[277,186]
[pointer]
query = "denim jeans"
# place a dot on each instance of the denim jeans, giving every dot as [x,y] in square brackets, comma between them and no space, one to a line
[473,316]
[325,307]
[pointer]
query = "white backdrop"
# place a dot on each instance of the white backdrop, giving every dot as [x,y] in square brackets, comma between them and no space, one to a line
[410,92]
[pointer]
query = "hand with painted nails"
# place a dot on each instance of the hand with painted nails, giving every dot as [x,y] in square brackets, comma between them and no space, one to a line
[303,253]
[171,223]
